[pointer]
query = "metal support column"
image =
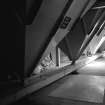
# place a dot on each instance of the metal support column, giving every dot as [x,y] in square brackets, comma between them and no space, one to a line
[57,56]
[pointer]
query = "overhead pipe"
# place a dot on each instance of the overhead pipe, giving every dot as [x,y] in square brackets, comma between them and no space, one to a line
[84,25]
[102,40]
[97,16]
[101,28]
[91,34]
[99,4]
[99,44]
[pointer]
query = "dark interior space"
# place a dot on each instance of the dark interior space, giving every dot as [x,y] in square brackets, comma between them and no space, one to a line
[32,8]
[12,39]
[51,52]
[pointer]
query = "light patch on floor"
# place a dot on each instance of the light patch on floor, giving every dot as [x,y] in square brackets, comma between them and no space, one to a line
[82,87]
[94,68]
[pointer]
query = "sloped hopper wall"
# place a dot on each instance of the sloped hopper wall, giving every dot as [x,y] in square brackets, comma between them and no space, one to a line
[38,31]
[73,41]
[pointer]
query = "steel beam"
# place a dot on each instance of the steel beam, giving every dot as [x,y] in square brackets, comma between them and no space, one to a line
[92,33]
[97,16]
[74,13]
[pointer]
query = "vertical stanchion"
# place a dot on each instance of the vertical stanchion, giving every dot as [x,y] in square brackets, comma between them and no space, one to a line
[57,57]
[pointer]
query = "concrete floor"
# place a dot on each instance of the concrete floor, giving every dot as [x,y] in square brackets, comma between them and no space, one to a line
[93,73]
[95,68]
[81,87]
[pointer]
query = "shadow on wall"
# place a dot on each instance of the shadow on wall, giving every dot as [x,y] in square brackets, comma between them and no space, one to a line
[32,7]
[37,34]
